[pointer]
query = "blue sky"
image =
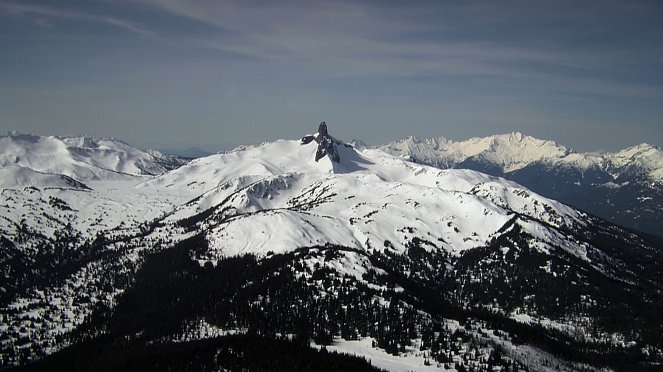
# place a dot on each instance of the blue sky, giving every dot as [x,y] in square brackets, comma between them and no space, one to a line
[214,74]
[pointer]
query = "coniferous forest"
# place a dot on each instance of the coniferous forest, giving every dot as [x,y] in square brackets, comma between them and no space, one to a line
[278,305]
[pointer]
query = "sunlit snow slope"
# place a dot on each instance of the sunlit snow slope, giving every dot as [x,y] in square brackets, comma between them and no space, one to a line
[79,217]
[81,158]
[625,187]
[515,151]
[275,197]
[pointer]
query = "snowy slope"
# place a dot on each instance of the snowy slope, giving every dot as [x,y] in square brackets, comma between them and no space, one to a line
[644,157]
[81,158]
[80,183]
[275,197]
[509,151]
[14,176]
[269,199]
[625,187]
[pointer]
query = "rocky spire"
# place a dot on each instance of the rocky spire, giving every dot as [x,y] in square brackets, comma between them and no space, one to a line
[326,144]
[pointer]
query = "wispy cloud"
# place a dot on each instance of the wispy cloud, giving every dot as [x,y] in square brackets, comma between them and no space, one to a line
[129,26]
[355,40]
[44,14]
[345,39]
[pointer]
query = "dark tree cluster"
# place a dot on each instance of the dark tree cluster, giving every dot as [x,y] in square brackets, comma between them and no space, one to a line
[250,353]
[403,301]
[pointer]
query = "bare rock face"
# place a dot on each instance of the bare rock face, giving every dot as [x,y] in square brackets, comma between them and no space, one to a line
[326,144]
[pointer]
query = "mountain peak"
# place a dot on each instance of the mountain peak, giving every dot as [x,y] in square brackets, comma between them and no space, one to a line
[640,149]
[513,136]
[643,156]
[518,137]
[513,151]
[508,151]
[282,184]
[623,187]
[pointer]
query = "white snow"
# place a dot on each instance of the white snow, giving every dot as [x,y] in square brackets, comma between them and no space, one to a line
[511,151]
[514,151]
[81,158]
[14,176]
[379,358]
[273,197]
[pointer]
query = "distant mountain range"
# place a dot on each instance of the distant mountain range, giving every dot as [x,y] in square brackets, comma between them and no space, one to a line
[625,187]
[190,152]
[264,258]
[82,158]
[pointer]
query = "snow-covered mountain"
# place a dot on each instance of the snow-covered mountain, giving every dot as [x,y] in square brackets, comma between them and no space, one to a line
[625,187]
[362,202]
[508,152]
[423,267]
[82,158]
[515,151]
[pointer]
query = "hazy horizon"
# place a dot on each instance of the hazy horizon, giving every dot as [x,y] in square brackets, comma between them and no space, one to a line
[211,148]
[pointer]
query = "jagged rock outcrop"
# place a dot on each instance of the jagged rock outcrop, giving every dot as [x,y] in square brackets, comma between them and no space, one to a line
[326,144]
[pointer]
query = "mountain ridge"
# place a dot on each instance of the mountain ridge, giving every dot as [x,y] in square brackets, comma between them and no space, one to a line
[512,151]
[452,267]
[82,158]
[625,187]
[270,183]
